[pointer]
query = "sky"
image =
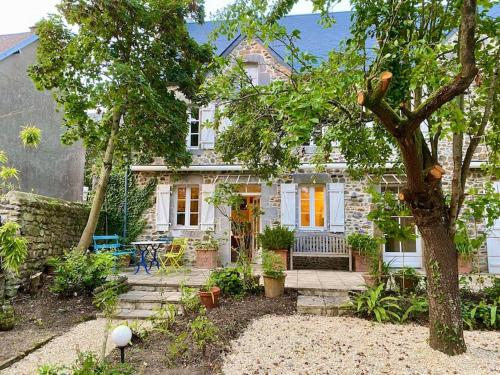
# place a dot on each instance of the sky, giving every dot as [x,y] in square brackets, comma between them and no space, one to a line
[17,16]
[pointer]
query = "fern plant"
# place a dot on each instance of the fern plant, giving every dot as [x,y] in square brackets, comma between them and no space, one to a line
[30,136]
[373,304]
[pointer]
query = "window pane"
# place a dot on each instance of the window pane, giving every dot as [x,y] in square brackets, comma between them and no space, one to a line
[391,245]
[194,205]
[193,220]
[194,192]
[195,127]
[181,192]
[181,219]
[181,205]
[319,206]
[194,140]
[409,246]
[305,209]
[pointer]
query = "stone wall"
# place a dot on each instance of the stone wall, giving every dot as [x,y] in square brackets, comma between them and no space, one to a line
[50,226]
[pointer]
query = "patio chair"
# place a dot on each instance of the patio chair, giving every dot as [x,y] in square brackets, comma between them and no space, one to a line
[172,260]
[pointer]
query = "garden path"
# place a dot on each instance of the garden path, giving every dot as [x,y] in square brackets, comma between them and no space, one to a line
[299,344]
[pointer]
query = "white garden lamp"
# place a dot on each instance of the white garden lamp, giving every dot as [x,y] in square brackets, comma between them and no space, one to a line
[121,336]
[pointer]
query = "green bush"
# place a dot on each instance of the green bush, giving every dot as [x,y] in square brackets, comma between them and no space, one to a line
[363,243]
[228,280]
[203,332]
[87,364]
[79,273]
[190,300]
[373,304]
[276,238]
[481,314]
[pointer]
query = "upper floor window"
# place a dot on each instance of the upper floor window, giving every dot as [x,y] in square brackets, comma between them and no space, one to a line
[252,71]
[312,206]
[187,212]
[193,137]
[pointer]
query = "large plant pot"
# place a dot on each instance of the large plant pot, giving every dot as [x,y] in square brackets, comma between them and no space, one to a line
[7,317]
[372,281]
[210,299]
[274,287]
[407,283]
[207,259]
[362,263]
[464,265]
[283,254]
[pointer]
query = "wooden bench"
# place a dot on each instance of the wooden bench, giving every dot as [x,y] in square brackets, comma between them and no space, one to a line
[111,243]
[320,244]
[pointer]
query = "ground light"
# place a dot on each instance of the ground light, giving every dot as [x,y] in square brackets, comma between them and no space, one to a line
[121,336]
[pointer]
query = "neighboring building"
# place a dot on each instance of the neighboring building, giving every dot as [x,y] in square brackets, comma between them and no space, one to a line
[317,205]
[51,169]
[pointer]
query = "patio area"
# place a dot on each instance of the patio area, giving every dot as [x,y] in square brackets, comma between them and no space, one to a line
[306,281]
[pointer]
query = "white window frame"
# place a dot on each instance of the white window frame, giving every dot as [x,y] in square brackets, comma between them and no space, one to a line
[190,133]
[252,71]
[187,213]
[312,208]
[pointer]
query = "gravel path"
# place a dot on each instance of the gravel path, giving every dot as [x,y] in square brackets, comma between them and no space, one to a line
[63,349]
[314,345]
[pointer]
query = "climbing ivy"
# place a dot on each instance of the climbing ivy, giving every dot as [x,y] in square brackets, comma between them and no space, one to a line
[138,201]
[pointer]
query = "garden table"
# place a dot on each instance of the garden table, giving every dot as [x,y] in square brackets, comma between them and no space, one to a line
[146,248]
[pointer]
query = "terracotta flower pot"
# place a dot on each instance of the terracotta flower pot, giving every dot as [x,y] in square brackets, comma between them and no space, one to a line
[464,265]
[406,283]
[210,299]
[362,263]
[207,259]
[283,253]
[274,287]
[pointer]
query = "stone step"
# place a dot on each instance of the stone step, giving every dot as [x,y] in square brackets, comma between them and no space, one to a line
[143,300]
[322,305]
[127,314]
[323,292]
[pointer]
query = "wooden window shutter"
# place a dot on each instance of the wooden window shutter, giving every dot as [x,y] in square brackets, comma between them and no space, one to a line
[207,114]
[289,205]
[163,208]
[336,207]
[207,209]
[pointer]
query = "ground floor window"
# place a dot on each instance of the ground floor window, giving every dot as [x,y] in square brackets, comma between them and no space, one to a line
[393,245]
[312,206]
[187,213]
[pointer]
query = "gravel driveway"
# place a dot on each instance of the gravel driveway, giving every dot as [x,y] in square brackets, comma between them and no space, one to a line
[63,349]
[310,345]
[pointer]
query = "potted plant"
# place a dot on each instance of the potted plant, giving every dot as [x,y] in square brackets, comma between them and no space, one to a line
[379,273]
[278,239]
[273,274]
[207,252]
[209,294]
[466,251]
[363,248]
[406,279]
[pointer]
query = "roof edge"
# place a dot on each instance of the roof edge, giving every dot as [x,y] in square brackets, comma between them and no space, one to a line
[19,46]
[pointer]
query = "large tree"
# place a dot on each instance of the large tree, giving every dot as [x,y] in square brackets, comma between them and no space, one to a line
[122,72]
[407,67]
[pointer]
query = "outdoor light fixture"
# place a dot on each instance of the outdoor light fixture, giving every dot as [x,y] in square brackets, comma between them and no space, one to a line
[121,336]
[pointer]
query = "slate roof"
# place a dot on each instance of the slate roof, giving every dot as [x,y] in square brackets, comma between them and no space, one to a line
[12,43]
[314,38]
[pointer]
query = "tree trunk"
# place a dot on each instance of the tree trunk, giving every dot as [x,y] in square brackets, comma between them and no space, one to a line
[100,191]
[445,318]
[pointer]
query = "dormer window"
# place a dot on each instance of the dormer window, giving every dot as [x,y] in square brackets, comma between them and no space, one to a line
[193,137]
[252,71]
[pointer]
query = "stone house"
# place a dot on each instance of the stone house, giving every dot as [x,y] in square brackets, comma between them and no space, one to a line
[323,208]
[51,169]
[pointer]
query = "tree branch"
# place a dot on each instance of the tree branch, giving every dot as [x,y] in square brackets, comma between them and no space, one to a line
[464,78]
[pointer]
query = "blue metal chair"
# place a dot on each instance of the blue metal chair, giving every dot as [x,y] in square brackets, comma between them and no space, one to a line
[111,243]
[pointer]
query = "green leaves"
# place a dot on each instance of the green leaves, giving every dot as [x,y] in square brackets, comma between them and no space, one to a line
[13,247]
[30,136]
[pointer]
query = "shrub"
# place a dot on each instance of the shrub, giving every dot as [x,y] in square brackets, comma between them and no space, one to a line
[272,265]
[87,364]
[228,280]
[78,273]
[163,318]
[276,238]
[30,136]
[190,299]
[481,315]
[203,332]
[363,243]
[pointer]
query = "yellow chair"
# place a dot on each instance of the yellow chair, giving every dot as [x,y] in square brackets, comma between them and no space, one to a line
[172,260]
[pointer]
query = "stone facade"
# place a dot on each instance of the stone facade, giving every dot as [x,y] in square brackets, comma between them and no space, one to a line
[51,226]
[357,202]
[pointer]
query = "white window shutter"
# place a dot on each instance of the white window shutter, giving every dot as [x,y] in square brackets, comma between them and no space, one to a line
[224,121]
[207,209]
[207,114]
[336,207]
[289,205]
[163,208]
